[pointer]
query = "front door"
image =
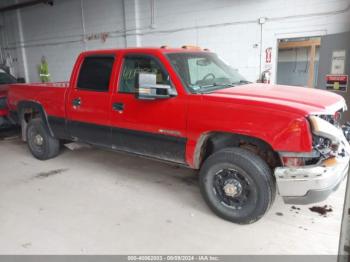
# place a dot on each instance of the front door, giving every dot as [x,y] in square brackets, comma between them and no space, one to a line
[155,128]
[88,101]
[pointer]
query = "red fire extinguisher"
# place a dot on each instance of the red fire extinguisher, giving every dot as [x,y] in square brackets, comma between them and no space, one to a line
[268,55]
[266,77]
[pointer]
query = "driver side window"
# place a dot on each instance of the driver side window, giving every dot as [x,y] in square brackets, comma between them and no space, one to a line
[134,64]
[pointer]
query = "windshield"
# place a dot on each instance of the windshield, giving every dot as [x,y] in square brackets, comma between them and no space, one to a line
[6,78]
[204,72]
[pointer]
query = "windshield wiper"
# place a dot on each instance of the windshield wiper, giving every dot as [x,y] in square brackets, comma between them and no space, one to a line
[242,82]
[226,84]
[218,84]
[214,87]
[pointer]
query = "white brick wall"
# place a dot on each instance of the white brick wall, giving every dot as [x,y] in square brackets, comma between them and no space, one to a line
[228,27]
[236,42]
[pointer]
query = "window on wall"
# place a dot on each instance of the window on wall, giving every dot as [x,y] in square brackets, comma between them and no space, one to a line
[135,64]
[95,73]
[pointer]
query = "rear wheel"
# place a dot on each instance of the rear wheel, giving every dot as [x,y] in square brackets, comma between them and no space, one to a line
[237,185]
[40,142]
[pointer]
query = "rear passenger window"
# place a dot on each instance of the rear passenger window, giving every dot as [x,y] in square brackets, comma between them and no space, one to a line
[95,73]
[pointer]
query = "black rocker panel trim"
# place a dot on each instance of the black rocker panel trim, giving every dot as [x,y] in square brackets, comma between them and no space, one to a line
[169,148]
[160,146]
[91,133]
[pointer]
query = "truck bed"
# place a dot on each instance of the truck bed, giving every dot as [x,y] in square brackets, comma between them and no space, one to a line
[49,95]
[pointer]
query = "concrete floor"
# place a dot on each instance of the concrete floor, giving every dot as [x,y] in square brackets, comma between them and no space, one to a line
[90,201]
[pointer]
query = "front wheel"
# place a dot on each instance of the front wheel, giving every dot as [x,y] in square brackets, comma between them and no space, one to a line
[237,185]
[40,142]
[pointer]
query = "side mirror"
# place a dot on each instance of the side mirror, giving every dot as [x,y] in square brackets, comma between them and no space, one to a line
[148,89]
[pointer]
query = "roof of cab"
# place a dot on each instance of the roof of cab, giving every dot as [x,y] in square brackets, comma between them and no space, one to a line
[147,49]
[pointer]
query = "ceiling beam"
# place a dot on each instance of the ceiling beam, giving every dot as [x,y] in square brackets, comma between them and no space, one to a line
[299,44]
[25,4]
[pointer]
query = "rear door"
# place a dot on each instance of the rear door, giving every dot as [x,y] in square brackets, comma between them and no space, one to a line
[88,109]
[155,128]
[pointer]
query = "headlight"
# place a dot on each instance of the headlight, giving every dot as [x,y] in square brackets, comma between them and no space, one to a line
[3,103]
[323,128]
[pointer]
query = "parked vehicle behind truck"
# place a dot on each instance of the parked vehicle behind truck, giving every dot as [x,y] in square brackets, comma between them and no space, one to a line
[188,107]
[5,80]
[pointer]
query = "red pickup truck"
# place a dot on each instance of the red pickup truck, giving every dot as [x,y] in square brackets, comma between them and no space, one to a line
[188,107]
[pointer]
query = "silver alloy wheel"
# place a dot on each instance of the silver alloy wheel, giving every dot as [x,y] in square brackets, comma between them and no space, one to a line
[38,140]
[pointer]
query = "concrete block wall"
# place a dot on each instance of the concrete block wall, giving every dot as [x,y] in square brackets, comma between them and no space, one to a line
[231,28]
[228,27]
[9,34]
[60,33]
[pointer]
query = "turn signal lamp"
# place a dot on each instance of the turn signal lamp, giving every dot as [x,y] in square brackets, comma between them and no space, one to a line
[292,161]
[193,47]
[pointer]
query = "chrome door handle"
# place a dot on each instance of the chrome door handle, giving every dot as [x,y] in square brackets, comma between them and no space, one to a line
[76,102]
[118,107]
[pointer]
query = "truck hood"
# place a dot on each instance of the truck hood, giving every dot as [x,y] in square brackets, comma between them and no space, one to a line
[303,100]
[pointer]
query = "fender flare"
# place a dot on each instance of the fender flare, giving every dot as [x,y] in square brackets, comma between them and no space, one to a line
[203,138]
[22,105]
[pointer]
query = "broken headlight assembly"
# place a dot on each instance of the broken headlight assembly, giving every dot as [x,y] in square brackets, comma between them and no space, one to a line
[333,119]
[326,137]
[3,103]
[324,146]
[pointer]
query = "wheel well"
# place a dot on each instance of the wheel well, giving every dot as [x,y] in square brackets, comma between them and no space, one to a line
[213,142]
[28,111]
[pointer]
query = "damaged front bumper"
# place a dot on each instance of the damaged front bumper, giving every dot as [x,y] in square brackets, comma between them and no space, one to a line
[314,183]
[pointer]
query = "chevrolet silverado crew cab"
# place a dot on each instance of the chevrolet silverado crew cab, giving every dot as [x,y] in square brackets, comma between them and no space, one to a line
[188,107]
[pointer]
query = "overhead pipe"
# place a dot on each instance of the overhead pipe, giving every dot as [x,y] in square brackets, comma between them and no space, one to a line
[153,23]
[83,23]
[25,4]
[23,50]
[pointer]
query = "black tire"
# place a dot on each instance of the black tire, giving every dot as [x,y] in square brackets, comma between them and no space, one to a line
[40,142]
[237,185]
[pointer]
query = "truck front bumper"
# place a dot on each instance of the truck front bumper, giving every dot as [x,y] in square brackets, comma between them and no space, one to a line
[314,183]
